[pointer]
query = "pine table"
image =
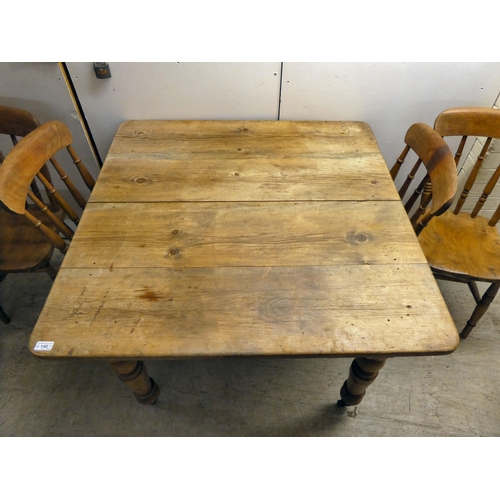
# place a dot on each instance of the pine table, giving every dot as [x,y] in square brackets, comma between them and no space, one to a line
[244,238]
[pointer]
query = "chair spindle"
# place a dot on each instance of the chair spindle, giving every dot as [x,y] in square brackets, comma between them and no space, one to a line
[472,177]
[474,290]
[399,162]
[486,192]
[460,149]
[54,205]
[87,178]
[69,183]
[495,217]
[58,223]
[409,178]
[62,202]
[424,200]
[414,197]
[35,189]
[54,238]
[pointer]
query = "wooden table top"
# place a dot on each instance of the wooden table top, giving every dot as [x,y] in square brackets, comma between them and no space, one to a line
[220,238]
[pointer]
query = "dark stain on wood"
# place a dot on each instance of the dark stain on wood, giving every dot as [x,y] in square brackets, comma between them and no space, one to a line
[151,295]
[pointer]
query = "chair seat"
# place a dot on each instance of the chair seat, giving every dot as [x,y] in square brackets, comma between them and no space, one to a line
[460,246]
[22,246]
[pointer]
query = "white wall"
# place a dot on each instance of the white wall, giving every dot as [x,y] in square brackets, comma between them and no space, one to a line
[171,91]
[388,96]
[40,89]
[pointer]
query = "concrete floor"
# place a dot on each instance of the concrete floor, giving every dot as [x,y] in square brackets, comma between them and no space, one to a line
[454,395]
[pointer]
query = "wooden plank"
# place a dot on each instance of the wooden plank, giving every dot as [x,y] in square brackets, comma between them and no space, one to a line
[242,139]
[326,311]
[243,234]
[146,177]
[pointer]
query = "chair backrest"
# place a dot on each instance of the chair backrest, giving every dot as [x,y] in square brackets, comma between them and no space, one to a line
[16,122]
[472,122]
[27,161]
[439,184]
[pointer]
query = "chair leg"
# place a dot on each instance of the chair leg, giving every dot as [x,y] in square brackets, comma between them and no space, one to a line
[52,272]
[3,317]
[475,291]
[480,309]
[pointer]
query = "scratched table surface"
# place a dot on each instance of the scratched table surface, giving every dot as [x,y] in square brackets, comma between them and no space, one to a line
[227,238]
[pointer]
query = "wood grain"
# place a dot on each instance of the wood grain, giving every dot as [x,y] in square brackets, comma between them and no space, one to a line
[176,140]
[438,160]
[32,153]
[328,311]
[469,121]
[243,161]
[145,177]
[439,184]
[462,246]
[242,234]
[16,122]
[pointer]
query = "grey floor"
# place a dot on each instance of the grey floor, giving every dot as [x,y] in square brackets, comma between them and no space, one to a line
[454,395]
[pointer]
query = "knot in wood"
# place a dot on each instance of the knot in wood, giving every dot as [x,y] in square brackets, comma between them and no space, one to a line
[355,238]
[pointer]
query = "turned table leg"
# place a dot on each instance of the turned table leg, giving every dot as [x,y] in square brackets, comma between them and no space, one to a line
[134,374]
[362,373]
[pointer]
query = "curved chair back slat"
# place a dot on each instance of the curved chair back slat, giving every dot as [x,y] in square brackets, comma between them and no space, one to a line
[438,160]
[16,122]
[473,122]
[438,185]
[482,122]
[26,159]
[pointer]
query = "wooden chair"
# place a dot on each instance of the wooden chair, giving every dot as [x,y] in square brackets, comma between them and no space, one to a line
[15,123]
[465,247]
[438,183]
[32,224]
